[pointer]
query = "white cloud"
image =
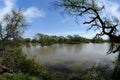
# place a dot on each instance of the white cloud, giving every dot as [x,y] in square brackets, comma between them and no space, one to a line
[32,13]
[9,4]
[111,8]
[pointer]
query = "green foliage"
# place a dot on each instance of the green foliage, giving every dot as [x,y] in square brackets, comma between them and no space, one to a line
[77,7]
[98,73]
[33,67]
[27,40]
[34,41]
[57,76]
[76,39]
[44,39]
[17,76]
[11,29]
[12,59]
[74,76]
[98,40]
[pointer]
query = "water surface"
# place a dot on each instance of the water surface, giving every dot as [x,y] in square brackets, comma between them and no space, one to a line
[70,56]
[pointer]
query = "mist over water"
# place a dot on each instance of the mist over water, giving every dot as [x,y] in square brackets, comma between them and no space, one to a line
[72,57]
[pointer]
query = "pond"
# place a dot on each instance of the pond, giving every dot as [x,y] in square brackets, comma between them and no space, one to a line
[70,57]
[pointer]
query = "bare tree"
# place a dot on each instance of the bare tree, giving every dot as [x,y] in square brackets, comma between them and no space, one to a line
[107,26]
[93,11]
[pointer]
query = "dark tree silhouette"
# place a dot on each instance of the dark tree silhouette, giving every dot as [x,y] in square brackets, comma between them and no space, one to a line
[107,26]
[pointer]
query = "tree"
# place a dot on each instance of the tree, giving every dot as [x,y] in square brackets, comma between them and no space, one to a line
[11,28]
[27,40]
[93,11]
[43,39]
[105,24]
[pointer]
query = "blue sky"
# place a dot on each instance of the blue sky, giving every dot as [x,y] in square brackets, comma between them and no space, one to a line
[44,19]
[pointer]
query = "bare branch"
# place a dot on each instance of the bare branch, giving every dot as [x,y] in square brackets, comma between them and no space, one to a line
[90,21]
[78,8]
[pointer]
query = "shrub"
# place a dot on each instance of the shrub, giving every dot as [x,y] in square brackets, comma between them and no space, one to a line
[33,67]
[15,61]
[15,76]
[12,60]
[98,73]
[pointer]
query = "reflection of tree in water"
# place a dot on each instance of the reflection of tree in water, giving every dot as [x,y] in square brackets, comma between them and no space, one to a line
[48,49]
[27,45]
[74,47]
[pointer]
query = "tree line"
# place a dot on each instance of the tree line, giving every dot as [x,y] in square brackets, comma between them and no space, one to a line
[45,39]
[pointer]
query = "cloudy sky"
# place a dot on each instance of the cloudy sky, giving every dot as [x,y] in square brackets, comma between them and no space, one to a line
[44,19]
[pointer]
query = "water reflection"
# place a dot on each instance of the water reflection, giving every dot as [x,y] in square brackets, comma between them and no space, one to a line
[72,57]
